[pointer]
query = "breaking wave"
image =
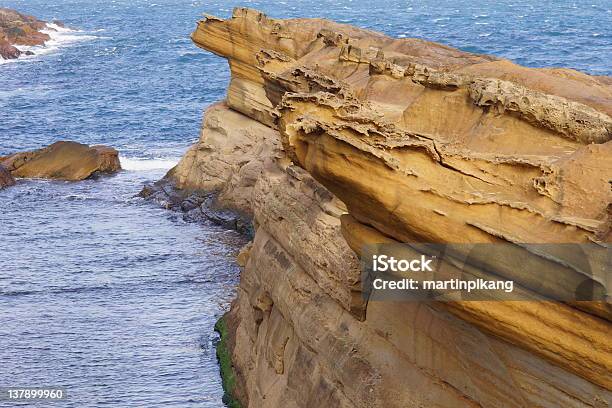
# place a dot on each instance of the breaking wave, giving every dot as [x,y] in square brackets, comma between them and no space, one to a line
[143,164]
[60,37]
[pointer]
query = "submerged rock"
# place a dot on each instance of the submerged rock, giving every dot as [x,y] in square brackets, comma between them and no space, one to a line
[6,178]
[63,161]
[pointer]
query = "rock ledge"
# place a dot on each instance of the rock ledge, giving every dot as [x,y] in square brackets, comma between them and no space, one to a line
[63,160]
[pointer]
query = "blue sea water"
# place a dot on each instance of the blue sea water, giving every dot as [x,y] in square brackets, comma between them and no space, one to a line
[114,298]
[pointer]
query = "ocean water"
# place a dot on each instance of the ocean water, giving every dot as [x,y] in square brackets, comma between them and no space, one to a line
[114,298]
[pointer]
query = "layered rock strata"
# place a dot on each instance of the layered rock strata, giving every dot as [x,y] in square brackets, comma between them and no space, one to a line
[332,138]
[63,161]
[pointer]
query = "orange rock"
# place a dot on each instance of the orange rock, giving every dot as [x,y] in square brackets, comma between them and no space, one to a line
[337,137]
[19,29]
[63,161]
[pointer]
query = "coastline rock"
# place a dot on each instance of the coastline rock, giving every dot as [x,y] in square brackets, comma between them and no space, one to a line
[228,159]
[6,178]
[216,177]
[63,161]
[332,138]
[7,51]
[19,29]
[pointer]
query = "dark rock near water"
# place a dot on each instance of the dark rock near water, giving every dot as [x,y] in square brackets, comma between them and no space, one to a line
[164,194]
[224,216]
[197,206]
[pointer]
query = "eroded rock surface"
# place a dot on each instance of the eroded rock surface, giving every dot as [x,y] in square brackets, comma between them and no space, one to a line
[333,137]
[6,178]
[63,161]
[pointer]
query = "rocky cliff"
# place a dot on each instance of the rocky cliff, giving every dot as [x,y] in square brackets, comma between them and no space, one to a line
[331,138]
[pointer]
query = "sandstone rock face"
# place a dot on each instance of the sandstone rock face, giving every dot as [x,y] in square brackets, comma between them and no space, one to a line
[19,29]
[6,178]
[63,161]
[331,138]
[228,159]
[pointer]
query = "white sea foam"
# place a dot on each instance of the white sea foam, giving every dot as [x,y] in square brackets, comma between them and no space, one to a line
[186,53]
[142,164]
[60,37]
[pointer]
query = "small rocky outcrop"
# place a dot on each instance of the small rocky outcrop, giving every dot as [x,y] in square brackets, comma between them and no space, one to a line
[19,29]
[8,51]
[63,160]
[6,178]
